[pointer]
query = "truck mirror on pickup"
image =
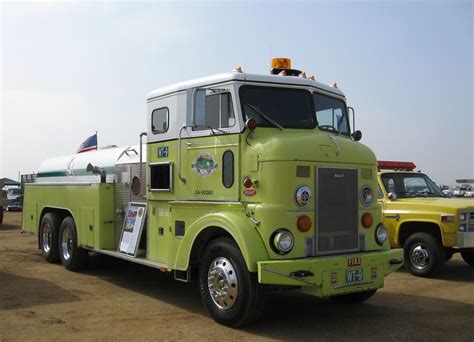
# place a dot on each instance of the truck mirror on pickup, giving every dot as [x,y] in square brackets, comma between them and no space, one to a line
[199,118]
[392,196]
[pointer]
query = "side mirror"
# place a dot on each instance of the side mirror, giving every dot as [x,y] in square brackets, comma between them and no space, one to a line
[357,135]
[392,196]
[199,113]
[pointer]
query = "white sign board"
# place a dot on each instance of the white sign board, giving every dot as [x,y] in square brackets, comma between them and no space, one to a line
[132,228]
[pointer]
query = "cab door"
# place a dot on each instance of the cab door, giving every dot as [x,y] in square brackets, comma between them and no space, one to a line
[212,152]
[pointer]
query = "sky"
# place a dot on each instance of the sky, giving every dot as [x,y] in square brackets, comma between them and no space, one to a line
[71,68]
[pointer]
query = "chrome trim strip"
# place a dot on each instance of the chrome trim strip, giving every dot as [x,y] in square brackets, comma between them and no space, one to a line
[352,285]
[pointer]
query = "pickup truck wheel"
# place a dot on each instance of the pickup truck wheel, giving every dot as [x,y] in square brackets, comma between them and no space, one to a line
[353,298]
[72,256]
[423,254]
[230,293]
[48,237]
[468,257]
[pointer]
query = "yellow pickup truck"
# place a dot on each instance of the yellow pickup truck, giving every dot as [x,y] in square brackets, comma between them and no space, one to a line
[419,218]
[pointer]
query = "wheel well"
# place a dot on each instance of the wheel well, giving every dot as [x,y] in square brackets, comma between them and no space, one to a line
[59,213]
[408,228]
[200,243]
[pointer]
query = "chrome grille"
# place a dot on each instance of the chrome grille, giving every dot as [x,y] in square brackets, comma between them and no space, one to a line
[469,222]
[336,211]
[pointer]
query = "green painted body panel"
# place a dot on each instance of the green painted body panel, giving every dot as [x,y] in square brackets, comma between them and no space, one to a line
[90,205]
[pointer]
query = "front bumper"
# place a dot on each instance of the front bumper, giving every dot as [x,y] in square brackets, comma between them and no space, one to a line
[465,240]
[327,275]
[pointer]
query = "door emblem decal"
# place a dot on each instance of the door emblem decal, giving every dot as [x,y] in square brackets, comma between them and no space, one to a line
[204,164]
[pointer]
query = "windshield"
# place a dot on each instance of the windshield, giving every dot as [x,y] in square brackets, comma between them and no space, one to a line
[331,114]
[278,107]
[407,185]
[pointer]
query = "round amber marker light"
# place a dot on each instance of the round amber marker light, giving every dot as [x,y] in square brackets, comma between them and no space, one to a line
[303,223]
[367,220]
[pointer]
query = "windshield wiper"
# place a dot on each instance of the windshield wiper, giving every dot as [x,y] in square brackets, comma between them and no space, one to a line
[266,117]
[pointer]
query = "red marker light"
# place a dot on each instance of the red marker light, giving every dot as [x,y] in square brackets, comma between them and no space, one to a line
[251,124]
[247,182]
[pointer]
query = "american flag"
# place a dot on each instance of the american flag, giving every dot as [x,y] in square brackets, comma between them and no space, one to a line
[89,144]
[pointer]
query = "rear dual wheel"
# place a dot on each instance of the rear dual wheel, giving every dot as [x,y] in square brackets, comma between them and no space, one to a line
[48,237]
[72,256]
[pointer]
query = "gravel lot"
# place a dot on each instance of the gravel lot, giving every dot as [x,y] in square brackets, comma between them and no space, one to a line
[116,300]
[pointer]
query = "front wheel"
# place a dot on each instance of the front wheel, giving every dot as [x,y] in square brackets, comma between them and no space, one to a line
[230,293]
[423,254]
[353,298]
[468,257]
[72,257]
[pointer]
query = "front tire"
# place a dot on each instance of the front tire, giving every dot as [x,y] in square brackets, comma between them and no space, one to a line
[230,293]
[354,298]
[72,257]
[468,257]
[48,237]
[423,254]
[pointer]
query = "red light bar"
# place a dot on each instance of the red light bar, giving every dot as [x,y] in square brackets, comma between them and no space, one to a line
[396,165]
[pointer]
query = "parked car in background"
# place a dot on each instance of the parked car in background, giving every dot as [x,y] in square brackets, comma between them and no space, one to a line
[461,190]
[15,199]
[446,190]
[469,193]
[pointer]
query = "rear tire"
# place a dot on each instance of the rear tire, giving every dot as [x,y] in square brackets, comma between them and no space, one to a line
[230,293]
[72,256]
[468,257]
[354,298]
[424,255]
[48,237]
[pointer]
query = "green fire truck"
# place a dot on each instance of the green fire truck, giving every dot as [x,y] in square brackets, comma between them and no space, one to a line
[245,181]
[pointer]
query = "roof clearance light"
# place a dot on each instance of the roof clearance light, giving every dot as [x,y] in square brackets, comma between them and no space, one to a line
[312,78]
[396,165]
[282,73]
[237,69]
[333,84]
[281,63]
[302,75]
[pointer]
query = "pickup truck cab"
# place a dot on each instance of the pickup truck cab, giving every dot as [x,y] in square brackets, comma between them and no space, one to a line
[419,218]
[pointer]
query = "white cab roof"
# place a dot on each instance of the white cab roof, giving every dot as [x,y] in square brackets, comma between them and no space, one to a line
[236,76]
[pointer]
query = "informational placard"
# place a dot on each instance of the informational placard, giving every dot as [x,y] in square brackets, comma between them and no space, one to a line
[132,228]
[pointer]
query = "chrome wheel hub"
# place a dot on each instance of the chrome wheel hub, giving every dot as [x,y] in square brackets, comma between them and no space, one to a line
[66,244]
[222,283]
[47,237]
[419,256]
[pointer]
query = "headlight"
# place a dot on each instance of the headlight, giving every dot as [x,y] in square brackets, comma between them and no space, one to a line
[283,241]
[381,234]
[366,196]
[303,196]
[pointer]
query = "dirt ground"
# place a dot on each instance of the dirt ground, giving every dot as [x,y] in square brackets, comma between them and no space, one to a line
[116,300]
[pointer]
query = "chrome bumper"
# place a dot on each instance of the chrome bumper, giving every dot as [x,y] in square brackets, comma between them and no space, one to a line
[465,240]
